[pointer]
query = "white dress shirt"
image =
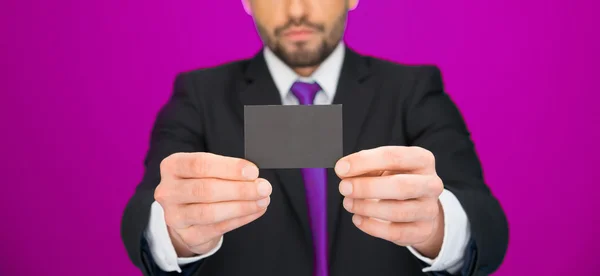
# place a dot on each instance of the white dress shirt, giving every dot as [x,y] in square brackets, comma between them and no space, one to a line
[456,228]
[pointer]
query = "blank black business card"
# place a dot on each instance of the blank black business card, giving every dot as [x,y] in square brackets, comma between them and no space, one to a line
[293,136]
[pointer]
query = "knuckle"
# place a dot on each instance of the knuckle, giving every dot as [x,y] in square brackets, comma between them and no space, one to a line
[413,215]
[432,210]
[358,206]
[161,193]
[198,165]
[431,157]
[361,153]
[241,190]
[395,215]
[408,189]
[426,232]
[398,215]
[428,158]
[247,208]
[166,165]
[239,164]
[202,190]
[405,215]
[397,234]
[398,180]
[424,157]
[436,185]
[205,214]
[222,227]
[391,156]
[413,191]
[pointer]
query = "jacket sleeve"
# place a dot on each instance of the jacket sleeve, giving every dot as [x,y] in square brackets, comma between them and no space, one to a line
[432,121]
[177,128]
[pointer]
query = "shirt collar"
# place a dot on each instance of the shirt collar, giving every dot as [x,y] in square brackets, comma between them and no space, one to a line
[327,75]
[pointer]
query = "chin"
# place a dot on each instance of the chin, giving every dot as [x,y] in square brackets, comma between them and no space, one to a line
[303,48]
[301,45]
[300,54]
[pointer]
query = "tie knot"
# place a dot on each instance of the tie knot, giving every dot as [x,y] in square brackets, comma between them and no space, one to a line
[305,92]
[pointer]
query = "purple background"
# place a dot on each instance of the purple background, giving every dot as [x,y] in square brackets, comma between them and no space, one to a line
[81,82]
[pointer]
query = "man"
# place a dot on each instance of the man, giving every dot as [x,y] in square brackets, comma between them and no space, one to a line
[408,197]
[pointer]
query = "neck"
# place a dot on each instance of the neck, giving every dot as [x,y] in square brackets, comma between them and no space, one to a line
[305,71]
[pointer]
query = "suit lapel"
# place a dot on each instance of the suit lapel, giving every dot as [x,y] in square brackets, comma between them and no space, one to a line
[260,89]
[355,92]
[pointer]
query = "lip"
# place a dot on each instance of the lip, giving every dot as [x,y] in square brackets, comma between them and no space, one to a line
[298,33]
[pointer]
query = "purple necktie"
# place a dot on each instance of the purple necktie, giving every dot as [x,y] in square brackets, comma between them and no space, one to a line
[315,185]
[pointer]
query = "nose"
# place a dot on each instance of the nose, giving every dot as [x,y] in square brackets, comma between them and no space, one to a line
[297,8]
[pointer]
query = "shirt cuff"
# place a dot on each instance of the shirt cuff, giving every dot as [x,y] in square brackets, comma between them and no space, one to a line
[161,246]
[457,234]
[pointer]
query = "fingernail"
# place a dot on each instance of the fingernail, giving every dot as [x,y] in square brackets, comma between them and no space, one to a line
[345,187]
[357,219]
[250,172]
[263,202]
[342,168]
[264,188]
[348,202]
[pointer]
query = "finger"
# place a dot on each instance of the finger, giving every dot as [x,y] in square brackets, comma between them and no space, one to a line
[401,233]
[396,158]
[199,235]
[379,173]
[398,186]
[374,173]
[393,210]
[211,213]
[210,190]
[208,165]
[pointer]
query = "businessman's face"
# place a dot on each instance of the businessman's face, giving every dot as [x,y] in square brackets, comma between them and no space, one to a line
[301,32]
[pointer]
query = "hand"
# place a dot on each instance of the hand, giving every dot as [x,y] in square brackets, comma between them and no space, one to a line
[393,192]
[205,196]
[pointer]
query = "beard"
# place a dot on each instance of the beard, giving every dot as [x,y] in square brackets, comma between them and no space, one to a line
[303,56]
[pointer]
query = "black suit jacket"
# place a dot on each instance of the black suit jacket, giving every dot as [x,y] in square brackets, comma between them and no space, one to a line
[383,104]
